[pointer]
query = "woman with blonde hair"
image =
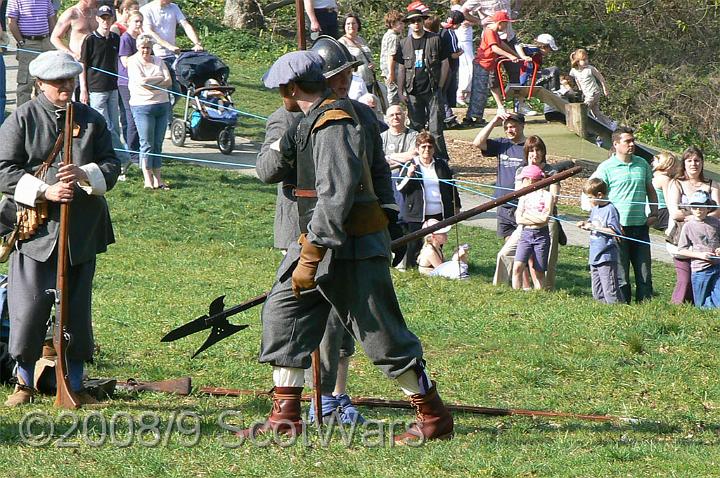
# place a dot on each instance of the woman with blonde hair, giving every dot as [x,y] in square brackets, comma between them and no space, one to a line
[665,168]
[148,80]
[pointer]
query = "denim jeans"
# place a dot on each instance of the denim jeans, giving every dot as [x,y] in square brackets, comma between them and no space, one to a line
[705,287]
[637,254]
[478,92]
[3,96]
[133,141]
[151,122]
[107,104]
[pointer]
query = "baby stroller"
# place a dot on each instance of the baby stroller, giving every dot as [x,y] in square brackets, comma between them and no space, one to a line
[209,111]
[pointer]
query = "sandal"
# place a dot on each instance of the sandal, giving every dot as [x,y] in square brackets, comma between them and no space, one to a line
[164,187]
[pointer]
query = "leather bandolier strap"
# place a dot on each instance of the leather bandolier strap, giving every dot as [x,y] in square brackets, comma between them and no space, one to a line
[366,216]
[29,219]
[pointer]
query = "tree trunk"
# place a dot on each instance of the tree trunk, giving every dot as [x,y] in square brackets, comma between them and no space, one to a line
[243,14]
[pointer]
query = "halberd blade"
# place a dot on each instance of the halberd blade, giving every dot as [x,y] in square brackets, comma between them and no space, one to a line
[187,329]
[201,323]
[218,333]
[217,306]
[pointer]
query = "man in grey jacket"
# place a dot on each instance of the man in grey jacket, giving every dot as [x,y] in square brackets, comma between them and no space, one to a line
[26,139]
[340,261]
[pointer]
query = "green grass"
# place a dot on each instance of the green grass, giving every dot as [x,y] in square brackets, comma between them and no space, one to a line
[212,235]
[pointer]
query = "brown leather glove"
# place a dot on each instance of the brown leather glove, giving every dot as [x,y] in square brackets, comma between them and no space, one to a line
[303,277]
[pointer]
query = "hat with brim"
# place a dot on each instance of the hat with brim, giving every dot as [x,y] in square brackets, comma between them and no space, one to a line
[700,198]
[296,66]
[500,16]
[413,14]
[547,39]
[54,65]
[516,117]
[532,171]
[432,222]
[105,10]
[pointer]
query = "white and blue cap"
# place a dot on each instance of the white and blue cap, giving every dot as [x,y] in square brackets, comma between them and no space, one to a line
[55,65]
[700,198]
[293,67]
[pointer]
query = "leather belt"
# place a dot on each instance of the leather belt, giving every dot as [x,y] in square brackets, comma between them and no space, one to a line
[305,193]
[35,37]
[328,10]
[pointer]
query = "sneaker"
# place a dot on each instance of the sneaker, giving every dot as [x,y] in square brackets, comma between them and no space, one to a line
[469,123]
[122,178]
[613,125]
[329,405]
[525,111]
[452,124]
[349,414]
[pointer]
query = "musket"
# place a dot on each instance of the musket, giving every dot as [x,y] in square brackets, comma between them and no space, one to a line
[180,386]
[218,315]
[65,397]
[404,404]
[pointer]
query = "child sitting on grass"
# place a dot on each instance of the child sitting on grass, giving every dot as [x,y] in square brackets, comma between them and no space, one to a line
[700,241]
[590,81]
[604,225]
[533,213]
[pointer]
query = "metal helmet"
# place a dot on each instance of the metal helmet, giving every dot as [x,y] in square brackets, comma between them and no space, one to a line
[336,55]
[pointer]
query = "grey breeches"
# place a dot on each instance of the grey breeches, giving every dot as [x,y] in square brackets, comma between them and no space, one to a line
[30,306]
[361,293]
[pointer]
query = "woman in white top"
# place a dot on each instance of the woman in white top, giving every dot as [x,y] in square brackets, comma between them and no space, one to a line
[150,107]
[359,49]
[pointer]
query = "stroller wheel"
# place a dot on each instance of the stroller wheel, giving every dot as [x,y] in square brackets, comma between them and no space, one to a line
[177,132]
[226,140]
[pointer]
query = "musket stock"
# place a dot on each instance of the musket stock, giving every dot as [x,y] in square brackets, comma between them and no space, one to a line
[65,397]
[181,386]
[217,319]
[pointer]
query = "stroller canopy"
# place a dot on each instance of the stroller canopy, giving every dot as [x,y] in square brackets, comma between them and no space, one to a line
[195,68]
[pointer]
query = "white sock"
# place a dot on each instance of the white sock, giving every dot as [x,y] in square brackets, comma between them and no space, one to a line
[288,377]
[410,384]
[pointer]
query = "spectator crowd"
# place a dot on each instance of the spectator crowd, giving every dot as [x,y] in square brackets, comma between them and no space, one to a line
[428,65]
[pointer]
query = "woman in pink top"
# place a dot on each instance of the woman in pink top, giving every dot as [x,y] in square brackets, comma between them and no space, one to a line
[148,81]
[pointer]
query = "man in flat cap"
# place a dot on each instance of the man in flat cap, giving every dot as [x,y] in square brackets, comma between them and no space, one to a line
[27,139]
[340,261]
[423,69]
[338,344]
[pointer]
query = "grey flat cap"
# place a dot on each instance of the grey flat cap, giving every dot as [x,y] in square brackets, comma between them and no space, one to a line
[295,66]
[55,65]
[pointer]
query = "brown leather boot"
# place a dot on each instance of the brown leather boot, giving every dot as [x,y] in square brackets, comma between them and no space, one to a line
[20,396]
[433,420]
[284,417]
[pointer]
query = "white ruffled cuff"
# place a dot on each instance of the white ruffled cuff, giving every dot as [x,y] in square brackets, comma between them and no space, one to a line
[95,184]
[29,189]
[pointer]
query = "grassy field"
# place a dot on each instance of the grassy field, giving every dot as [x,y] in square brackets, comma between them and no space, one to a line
[212,235]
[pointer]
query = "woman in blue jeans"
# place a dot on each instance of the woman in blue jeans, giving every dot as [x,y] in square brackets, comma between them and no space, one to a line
[150,107]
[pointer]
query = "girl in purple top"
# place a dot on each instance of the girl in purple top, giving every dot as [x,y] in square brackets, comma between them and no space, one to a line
[127,49]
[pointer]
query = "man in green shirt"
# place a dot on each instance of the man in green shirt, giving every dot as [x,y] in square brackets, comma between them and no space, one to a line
[629,180]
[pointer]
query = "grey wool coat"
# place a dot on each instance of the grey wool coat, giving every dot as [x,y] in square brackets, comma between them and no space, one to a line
[26,139]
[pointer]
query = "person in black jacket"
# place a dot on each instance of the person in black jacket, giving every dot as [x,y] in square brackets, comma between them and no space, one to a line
[428,192]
